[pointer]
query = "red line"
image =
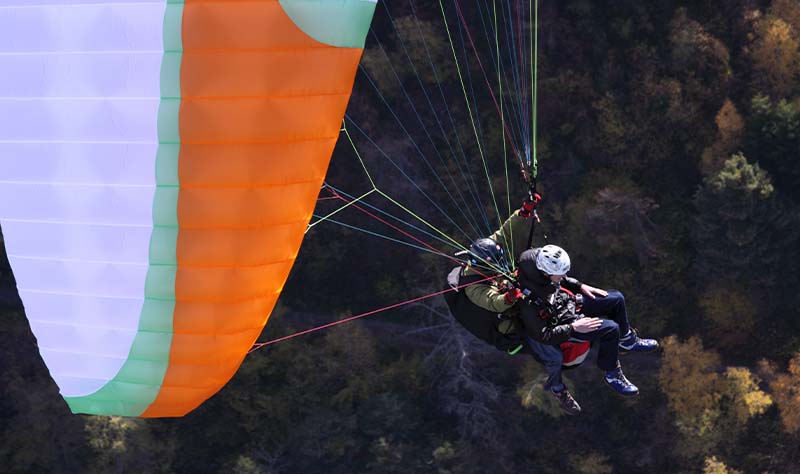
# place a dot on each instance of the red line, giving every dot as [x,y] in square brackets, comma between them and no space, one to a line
[383,221]
[351,318]
[522,57]
[421,242]
[368,313]
[489,85]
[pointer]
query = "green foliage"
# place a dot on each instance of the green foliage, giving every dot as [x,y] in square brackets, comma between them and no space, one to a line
[739,176]
[773,139]
[741,229]
[704,59]
[729,312]
[713,465]
[444,453]
[532,394]
[245,465]
[418,49]
[127,445]
[614,126]
[591,463]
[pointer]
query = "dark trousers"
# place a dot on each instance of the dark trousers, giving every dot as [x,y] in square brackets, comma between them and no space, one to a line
[551,358]
[612,310]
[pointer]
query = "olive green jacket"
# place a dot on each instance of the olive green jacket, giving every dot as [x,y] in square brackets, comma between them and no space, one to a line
[513,234]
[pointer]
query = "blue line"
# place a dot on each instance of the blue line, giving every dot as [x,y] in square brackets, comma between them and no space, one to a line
[456,158]
[424,249]
[469,176]
[385,213]
[401,170]
[424,128]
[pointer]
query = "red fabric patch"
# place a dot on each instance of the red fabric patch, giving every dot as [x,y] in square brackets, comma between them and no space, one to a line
[574,352]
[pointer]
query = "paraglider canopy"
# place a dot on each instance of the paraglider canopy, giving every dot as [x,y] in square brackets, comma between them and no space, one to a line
[159,165]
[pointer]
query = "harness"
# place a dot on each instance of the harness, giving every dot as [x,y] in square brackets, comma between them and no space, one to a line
[563,308]
[502,330]
[573,351]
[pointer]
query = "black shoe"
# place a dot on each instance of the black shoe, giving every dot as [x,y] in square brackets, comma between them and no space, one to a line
[565,401]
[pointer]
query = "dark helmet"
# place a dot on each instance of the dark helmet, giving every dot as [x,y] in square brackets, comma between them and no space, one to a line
[486,251]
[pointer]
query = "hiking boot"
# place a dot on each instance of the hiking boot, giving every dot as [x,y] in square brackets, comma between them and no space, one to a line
[620,384]
[633,343]
[565,401]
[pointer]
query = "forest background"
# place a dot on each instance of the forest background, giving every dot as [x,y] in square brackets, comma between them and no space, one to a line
[668,146]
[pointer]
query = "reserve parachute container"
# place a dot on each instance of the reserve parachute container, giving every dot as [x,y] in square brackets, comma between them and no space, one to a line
[159,164]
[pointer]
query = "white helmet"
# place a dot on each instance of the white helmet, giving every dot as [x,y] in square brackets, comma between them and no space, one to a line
[552,260]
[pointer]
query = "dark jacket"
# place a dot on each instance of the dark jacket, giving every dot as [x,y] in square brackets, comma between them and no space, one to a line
[546,312]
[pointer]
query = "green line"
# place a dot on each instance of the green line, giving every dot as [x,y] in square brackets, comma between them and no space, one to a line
[375,188]
[344,129]
[386,237]
[411,213]
[502,110]
[455,243]
[515,351]
[502,123]
[469,109]
[323,219]
[366,171]
[535,73]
